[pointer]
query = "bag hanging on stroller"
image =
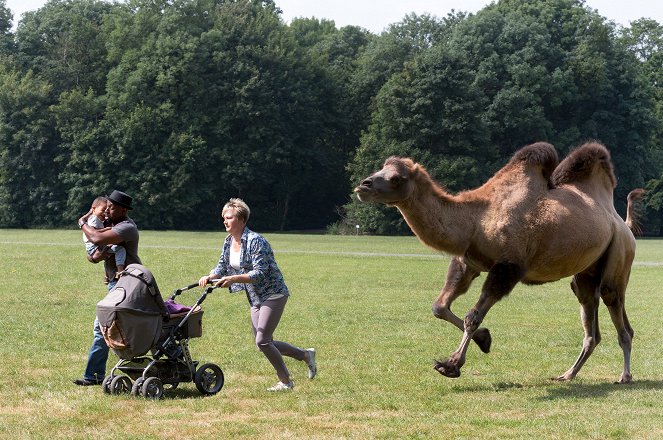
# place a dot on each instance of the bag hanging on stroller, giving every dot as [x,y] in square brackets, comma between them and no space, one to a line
[131,315]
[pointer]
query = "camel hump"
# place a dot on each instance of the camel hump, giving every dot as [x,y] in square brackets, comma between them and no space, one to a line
[581,163]
[541,154]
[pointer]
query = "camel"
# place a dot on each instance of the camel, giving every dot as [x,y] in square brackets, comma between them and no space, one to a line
[537,220]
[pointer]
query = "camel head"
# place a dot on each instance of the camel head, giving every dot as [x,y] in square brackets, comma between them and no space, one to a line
[392,184]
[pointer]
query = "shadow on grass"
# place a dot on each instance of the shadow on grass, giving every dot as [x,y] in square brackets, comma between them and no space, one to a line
[566,390]
[575,390]
[177,394]
[184,392]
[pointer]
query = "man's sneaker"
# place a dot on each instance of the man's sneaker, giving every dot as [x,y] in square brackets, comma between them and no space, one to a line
[280,386]
[312,366]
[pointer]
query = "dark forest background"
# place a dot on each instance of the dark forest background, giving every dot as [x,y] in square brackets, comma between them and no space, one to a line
[186,103]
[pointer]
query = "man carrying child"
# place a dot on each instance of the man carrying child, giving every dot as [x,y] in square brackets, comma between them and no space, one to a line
[123,231]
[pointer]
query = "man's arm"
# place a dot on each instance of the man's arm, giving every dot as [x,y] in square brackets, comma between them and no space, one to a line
[97,256]
[101,237]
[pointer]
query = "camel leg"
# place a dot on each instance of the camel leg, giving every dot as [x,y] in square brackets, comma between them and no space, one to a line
[459,279]
[613,293]
[615,301]
[501,279]
[586,290]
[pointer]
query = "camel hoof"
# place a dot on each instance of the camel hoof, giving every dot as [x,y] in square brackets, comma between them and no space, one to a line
[562,378]
[483,339]
[624,380]
[447,370]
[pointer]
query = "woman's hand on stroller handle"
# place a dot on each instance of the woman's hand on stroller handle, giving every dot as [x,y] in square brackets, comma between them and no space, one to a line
[192,286]
[203,281]
[211,283]
[224,281]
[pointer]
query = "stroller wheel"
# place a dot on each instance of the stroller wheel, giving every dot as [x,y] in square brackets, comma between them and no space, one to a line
[120,385]
[152,388]
[105,385]
[209,379]
[135,389]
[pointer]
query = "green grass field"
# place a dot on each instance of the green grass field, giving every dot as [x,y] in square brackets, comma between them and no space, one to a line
[364,303]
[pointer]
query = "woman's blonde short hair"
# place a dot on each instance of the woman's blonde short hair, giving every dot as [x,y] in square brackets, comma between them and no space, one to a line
[242,210]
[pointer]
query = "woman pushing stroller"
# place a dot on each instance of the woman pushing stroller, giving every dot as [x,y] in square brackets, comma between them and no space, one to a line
[247,263]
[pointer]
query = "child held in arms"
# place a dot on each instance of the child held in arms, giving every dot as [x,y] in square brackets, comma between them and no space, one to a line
[96,218]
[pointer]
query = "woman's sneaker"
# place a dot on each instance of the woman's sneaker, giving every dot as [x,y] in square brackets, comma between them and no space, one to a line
[312,366]
[280,386]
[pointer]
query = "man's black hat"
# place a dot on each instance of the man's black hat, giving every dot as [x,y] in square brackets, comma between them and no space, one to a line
[120,198]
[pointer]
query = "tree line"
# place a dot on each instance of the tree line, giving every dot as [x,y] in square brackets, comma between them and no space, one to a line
[186,103]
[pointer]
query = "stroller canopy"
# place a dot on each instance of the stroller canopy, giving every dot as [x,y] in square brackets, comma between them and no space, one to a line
[131,315]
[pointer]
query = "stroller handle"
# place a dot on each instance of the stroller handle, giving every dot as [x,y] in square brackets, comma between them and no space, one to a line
[179,291]
[210,288]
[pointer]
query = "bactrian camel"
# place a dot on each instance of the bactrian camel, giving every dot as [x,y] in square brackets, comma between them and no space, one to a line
[535,221]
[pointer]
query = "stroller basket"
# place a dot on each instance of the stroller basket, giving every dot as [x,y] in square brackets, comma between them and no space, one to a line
[193,328]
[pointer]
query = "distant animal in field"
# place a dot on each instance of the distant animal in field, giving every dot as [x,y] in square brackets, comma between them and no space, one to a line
[537,220]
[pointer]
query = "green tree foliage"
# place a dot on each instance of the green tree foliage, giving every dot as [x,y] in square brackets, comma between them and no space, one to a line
[387,56]
[644,38]
[515,73]
[63,43]
[185,103]
[337,51]
[30,191]
[380,87]
[225,102]
[58,54]
[432,113]
[79,121]
[6,36]
[651,215]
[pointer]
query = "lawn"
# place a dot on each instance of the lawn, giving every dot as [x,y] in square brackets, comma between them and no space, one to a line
[364,303]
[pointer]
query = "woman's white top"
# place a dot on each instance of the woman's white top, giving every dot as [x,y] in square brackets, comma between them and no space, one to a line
[236,264]
[234,259]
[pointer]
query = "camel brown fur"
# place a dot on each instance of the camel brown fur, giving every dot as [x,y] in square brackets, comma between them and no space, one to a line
[631,219]
[535,221]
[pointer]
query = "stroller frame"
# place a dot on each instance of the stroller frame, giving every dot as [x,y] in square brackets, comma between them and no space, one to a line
[170,363]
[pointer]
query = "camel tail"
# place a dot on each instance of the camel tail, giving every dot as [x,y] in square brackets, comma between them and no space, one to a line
[632,220]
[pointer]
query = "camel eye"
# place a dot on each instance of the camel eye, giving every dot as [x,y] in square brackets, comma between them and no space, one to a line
[395,180]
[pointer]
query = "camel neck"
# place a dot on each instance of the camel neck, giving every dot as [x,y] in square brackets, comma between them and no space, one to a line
[440,220]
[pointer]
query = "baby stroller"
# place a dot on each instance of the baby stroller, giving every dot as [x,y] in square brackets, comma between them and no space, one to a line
[135,320]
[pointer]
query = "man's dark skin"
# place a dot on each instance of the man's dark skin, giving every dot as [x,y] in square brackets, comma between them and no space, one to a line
[106,236]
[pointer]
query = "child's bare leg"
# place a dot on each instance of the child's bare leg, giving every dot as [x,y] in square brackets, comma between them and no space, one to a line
[120,257]
[120,268]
